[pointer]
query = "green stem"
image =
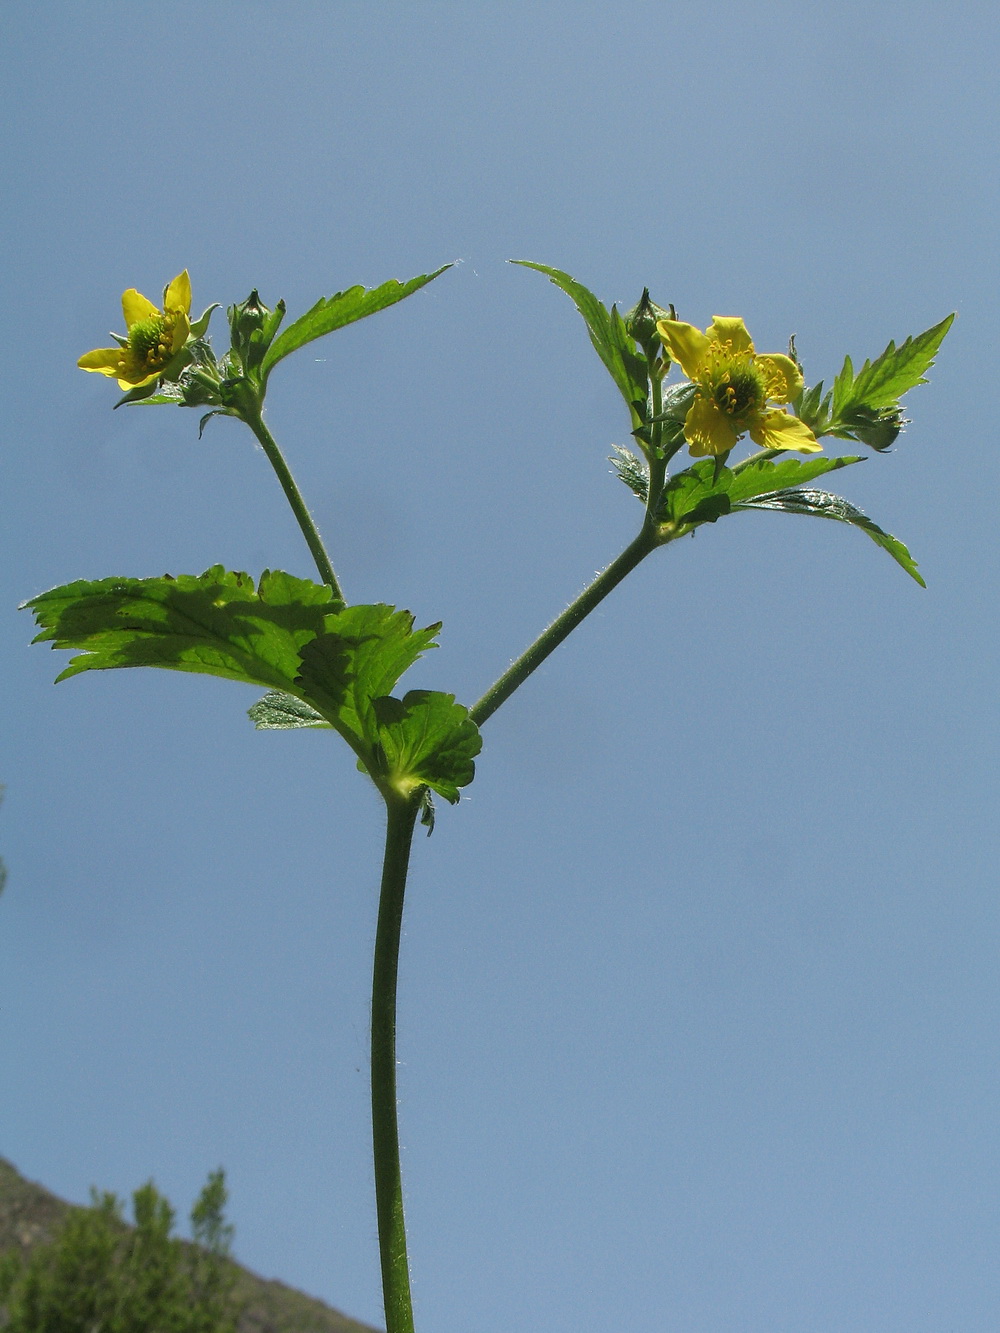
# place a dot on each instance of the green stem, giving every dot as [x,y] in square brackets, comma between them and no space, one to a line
[254,419]
[763,456]
[564,624]
[401,818]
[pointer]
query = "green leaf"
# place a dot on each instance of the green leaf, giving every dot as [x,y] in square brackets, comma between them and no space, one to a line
[323,664]
[609,336]
[704,492]
[215,623]
[147,393]
[278,711]
[428,739]
[821,504]
[334,312]
[631,470]
[758,475]
[358,658]
[697,495]
[866,406]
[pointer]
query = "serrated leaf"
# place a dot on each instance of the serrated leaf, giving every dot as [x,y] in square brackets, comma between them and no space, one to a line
[821,504]
[759,475]
[147,393]
[812,407]
[631,470]
[697,495]
[278,711]
[216,623]
[358,658]
[323,664]
[427,739]
[166,395]
[335,312]
[609,336]
[867,404]
[704,492]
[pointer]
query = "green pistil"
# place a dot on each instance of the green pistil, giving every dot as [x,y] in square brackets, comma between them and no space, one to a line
[144,339]
[741,389]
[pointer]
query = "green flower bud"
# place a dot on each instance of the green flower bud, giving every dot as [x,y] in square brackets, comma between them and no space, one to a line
[640,322]
[253,327]
[247,318]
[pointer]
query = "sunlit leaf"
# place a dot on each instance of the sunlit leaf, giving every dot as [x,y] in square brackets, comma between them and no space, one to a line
[704,492]
[821,504]
[866,406]
[631,470]
[358,658]
[278,711]
[428,739]
[216,623]
[609,336]
[334,312]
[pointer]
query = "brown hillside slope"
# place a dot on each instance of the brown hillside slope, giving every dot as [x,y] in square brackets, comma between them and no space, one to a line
[29,1215]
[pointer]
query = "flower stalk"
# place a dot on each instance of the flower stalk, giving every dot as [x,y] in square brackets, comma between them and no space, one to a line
[250,413]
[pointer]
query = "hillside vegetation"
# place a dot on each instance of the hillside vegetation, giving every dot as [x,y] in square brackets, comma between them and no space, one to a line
[31,1216]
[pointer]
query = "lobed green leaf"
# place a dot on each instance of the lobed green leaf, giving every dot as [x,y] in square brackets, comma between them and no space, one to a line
[324,664]
[216,623]
[428,739]
[334,312]
[358,658]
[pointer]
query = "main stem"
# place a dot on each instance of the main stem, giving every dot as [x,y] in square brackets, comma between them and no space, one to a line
[401,818]
[255,420]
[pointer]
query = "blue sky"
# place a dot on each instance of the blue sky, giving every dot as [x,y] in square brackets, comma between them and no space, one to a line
[699,986]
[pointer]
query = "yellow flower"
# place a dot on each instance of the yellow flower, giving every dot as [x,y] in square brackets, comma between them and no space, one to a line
[153,340]
[733,388]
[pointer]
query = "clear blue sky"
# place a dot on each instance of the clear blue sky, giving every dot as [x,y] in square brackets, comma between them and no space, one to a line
[700,988]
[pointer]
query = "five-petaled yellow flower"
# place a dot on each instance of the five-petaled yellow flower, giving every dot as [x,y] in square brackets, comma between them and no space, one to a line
[733,388]
[154,336]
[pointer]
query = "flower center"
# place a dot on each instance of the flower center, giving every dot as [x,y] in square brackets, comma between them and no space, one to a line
[147,340]
[739,389]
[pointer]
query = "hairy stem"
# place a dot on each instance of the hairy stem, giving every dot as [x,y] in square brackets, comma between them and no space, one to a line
[401,817]
[563,625]
[276,458]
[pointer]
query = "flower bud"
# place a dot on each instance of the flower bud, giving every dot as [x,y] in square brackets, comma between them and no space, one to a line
[247,318]
[253,327]
[640,322]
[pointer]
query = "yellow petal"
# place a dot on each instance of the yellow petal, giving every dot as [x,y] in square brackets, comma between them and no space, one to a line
[685,343]
[178,294]
[137,383]
[105,360]
[181,330]
[780,430]
[135,307]
[729,329]
[784,377]
[708,430]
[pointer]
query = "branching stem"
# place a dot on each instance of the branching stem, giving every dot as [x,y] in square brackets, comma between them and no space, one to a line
[563,625]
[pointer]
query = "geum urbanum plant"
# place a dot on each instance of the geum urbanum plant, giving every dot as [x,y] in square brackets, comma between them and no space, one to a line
[327,664]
